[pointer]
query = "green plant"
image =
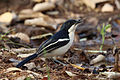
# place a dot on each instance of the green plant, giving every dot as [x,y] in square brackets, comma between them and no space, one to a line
[48,72]
[28,78]
[3,35]
[4,38]
[103,33]
[47,67]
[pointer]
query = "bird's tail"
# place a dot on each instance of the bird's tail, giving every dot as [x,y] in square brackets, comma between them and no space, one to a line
[27,60]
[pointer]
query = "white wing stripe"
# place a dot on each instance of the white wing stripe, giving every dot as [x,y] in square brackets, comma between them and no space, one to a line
[59,40]
[66,39]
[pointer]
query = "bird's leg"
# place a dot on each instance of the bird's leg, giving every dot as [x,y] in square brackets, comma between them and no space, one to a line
[57,61]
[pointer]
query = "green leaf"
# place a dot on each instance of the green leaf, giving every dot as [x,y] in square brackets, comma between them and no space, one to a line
[107,27]
[28,78]
[103,32]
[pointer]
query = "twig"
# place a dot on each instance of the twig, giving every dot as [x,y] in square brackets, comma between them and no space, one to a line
[24,50]
[92,51]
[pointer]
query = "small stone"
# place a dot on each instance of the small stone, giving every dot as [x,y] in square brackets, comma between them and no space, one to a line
[24,37]
[41,21]
[107,8]
[53,13]
[26,14]
[117,4]
[21,78]
[26,11]
[7,17]
[92,3]
[99,58]
[43,6]
[30,65]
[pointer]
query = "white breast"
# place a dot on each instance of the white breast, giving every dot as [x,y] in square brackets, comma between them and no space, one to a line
[62,50]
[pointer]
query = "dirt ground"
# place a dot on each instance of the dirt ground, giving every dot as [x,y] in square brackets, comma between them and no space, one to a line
[83,61]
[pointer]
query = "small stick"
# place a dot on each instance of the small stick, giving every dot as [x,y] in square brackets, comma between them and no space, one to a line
[92,51]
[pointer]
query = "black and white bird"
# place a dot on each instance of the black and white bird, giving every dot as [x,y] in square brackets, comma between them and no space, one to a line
[56,45]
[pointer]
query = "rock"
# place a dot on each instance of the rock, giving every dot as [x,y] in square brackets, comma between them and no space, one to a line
[28,14]
[24,37]
[44,6]
[30,65]
[3,28]
[46,22]
[92,3]
[112,75]
[107,8]
[117,4]
[31,76]
[7,17]
[60,20]
[99,58]
[26,11]
[53,13]
[21,78]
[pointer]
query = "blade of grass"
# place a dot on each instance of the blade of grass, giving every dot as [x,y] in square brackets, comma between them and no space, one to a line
[103,33]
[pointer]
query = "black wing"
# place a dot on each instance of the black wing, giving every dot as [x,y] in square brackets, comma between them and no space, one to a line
[59,39]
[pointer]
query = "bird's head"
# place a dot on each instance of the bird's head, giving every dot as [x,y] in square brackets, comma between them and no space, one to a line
[71,25]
